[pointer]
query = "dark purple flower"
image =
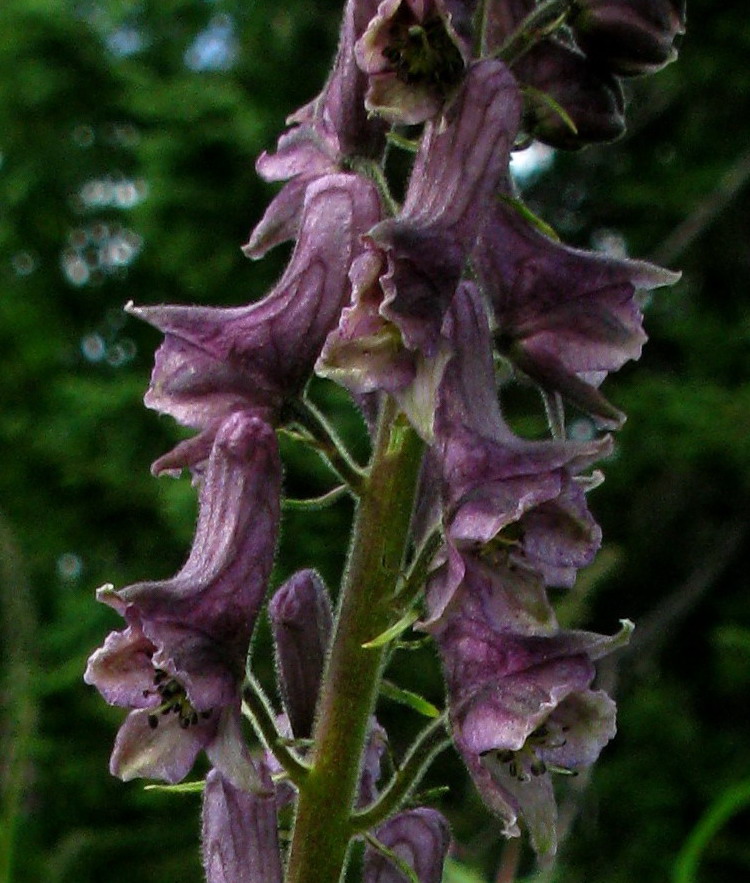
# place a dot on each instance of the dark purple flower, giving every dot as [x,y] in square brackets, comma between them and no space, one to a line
[301,622]
[630,37]
[180,662]
[590,96]
[240,839]
[328,134]
[214,361]
[419,837]
[414,57]
[404,283]
[564,316]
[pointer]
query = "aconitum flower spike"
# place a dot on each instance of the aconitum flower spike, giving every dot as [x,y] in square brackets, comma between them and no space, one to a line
[214,361]
[419,837]
[239,839]
[564,316]
[629,37]
[180,662]
[301,623]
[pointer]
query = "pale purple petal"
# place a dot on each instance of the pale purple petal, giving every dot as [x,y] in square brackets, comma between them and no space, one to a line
[167,751]
[214,361]
[240,840]
[560,311]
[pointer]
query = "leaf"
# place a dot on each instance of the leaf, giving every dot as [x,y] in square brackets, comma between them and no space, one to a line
[181,788]
[408,698]
[398,628]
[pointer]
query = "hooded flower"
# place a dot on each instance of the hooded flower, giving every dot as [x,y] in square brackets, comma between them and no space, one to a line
[564,316]
[405,281]
[180,662]
[240,838]
[414,57]
[521,497]
[630,37]
[214,361]
[589,95]
[519,697]
[419,837]
[328,135]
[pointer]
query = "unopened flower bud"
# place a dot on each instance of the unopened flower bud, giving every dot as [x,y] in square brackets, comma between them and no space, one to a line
[301,620]
[629,37]
[572,102]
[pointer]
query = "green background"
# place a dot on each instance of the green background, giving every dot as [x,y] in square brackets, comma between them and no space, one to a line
[128,134]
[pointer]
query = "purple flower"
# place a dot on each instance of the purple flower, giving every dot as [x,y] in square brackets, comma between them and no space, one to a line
[214,361]
[590,96]
[240,840]
[405,282]
[328,134]
[419,837]
[180,662]
[565,317]
[519,698]
[522,497]
[415,58]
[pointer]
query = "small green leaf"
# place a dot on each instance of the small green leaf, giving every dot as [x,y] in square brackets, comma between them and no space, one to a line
[547,99]
[525,212]
[406,697]
[393,632]
[181,788]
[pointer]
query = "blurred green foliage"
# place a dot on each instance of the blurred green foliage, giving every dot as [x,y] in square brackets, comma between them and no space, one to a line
[128,134]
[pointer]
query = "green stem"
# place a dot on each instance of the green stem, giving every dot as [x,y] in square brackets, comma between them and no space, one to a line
[322,829]
[430,741]
[542,21]
[325,440]
[261,717]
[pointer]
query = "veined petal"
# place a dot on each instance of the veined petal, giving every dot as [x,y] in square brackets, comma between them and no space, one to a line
[240,840]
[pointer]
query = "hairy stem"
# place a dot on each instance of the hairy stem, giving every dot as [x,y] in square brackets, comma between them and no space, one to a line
[349,690]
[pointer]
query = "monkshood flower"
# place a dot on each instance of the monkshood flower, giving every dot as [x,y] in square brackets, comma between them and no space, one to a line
[518,692]
[419,837]
[405,281]
[217,360]
[240,837]
[329,134]
[630,37]
[523,497]
[589,95]
[180,662]
[566,317]
[415,57]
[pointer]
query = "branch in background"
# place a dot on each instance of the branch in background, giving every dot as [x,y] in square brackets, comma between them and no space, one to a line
[706,212]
